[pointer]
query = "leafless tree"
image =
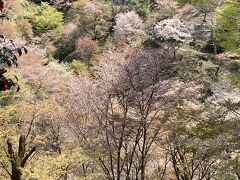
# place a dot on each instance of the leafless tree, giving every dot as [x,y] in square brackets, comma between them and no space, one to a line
[133,94]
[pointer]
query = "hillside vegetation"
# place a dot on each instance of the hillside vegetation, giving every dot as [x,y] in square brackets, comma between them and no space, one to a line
[120,89]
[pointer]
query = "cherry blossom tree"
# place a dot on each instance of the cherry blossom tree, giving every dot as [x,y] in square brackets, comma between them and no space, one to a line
[173,29]
[126,104]
[129,27]
[86,48]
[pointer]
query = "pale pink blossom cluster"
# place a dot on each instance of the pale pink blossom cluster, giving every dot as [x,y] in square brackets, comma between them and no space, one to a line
[173,29]
[128,26]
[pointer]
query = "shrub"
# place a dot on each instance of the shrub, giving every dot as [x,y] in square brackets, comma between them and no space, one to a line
[56,35]
[66,44]
[47,18]
[25,28]
[9,29]
[93,19]
[166,7]
[227,26]
[187,12]
[81,23]
[78,67]
[142,7]
[86,48]
[235,78]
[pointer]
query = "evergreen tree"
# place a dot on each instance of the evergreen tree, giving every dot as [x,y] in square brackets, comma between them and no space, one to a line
[228,23]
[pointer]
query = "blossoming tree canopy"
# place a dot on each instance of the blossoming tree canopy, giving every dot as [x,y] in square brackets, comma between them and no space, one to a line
[128,26]
[173,29]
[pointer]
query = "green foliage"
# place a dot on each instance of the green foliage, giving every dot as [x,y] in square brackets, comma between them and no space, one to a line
[46,19]
[95,24]
[182,3]
[64,129]
[227,27]
[235,77]
[27,10]
[56,34]
[8,56]
[54,166]
[78,67]
[142,7]
[19,8]
[76,7]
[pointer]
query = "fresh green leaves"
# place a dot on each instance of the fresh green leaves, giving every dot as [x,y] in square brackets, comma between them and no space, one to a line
[227,27]
[182,3]
[47,18]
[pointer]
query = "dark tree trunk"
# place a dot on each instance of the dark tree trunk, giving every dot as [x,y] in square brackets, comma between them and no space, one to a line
[18,159]
[16,173]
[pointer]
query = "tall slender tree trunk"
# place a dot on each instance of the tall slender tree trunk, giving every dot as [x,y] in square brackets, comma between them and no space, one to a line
[16,172]
[18,159]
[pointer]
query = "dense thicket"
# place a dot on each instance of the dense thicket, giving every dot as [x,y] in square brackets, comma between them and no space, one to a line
[120,89]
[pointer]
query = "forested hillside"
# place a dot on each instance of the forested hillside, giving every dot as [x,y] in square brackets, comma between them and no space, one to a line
[120,89]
